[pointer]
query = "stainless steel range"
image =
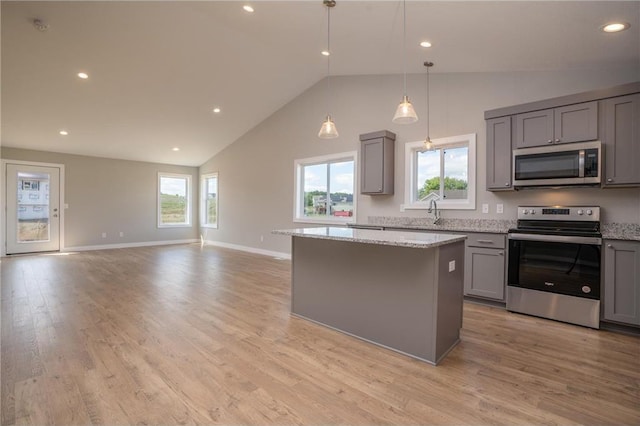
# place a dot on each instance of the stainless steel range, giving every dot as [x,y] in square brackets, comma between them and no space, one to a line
[554,264]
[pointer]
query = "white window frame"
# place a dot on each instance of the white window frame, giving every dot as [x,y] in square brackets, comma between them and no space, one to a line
[187,224]
[203,200]
[298,196]
[411,164]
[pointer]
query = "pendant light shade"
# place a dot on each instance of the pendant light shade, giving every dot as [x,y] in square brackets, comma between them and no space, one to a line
[328,129]
[428,145]
[405,114]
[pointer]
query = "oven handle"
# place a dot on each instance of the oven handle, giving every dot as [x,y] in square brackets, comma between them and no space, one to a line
[557,239]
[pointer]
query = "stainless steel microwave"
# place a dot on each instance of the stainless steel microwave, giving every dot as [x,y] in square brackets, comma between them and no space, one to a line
[558,165]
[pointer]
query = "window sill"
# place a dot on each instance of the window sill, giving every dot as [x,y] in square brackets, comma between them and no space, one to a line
[325,221]
[175,226]
[209,226]
[465,205]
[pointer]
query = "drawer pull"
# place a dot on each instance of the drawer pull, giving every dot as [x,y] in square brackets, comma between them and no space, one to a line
[609,245]
[485,241]
[501,253]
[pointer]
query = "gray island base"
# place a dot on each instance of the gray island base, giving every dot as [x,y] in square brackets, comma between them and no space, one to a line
[399,290]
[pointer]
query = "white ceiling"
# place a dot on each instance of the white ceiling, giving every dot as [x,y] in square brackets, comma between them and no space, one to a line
[158,68]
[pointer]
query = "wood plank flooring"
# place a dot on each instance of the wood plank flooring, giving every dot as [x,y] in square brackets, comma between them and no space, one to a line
[191,335]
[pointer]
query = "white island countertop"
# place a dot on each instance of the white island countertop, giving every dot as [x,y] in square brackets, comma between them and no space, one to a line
[372,236]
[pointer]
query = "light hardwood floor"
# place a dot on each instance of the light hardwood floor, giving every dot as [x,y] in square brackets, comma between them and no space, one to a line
[185,335]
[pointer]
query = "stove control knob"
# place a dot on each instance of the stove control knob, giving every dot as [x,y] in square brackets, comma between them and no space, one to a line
[580,212]
[525,211]
[532,211]
[589,212]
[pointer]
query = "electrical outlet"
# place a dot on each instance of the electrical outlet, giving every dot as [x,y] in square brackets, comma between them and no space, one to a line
[452,266]
[66,206]
[121,234]
[262,238]
[104,235]
[499,208]
[485,208]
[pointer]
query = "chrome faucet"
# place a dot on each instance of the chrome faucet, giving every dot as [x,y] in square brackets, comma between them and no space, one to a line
[433,208]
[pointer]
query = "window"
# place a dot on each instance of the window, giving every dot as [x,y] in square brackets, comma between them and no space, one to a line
[445,175]
[209,200]
[174,200]
[324,189]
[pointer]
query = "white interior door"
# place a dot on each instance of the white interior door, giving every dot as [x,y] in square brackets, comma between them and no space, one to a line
[33,208]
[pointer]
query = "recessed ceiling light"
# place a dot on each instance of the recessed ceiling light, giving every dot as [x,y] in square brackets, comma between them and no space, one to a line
[614,27]
[425,44]
[63,132]
[247,8]
[83,75]
[216,110]
[175,149]
[325,53]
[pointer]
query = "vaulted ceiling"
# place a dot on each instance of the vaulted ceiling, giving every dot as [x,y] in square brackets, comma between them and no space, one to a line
[157,69]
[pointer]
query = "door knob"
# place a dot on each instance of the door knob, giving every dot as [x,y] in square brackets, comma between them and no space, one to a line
[55,215]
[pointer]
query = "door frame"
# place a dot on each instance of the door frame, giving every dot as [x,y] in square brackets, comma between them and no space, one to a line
[3,199]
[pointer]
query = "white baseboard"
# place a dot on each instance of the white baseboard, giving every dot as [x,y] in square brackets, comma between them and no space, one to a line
[129,245]
[248,249]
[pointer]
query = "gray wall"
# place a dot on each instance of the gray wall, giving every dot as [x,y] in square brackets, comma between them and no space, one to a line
[256,172]
[106,195]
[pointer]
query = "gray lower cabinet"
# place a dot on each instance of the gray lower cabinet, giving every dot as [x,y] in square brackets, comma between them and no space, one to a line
[376,163]
[566,124]
[499,154]
[622,281]
[621,140]
[485,266]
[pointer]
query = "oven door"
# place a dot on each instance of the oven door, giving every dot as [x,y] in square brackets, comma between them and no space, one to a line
[556,264]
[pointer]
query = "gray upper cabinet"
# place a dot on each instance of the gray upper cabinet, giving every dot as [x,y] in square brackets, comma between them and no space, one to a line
[566,124]
[499,154]
[485,266]
[534,128]
[622,281]
[621,140]
[377,162]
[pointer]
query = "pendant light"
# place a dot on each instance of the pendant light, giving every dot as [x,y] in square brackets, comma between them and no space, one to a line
[328,129]
[405,114]
[428,145]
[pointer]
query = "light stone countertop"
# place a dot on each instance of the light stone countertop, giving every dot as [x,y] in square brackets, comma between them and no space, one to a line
[611,231]
[621,231]
[457,225]
[371,236]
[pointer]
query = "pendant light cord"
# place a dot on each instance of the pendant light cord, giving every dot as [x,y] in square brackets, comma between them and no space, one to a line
[328,58]
[404,41]
[428,107]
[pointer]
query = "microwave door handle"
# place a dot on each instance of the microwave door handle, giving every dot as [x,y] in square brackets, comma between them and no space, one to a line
[581,163]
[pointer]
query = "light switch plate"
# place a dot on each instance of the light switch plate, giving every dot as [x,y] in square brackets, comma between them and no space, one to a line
[499,208]
[452,266]
[485,208]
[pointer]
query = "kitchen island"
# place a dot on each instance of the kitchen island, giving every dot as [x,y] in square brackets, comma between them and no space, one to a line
[399,290]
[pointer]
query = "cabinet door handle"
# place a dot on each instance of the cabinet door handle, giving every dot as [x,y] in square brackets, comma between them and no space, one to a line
[550,141]
[609,245]
[557,140]
[501,253]
[506,184]
[609,180]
